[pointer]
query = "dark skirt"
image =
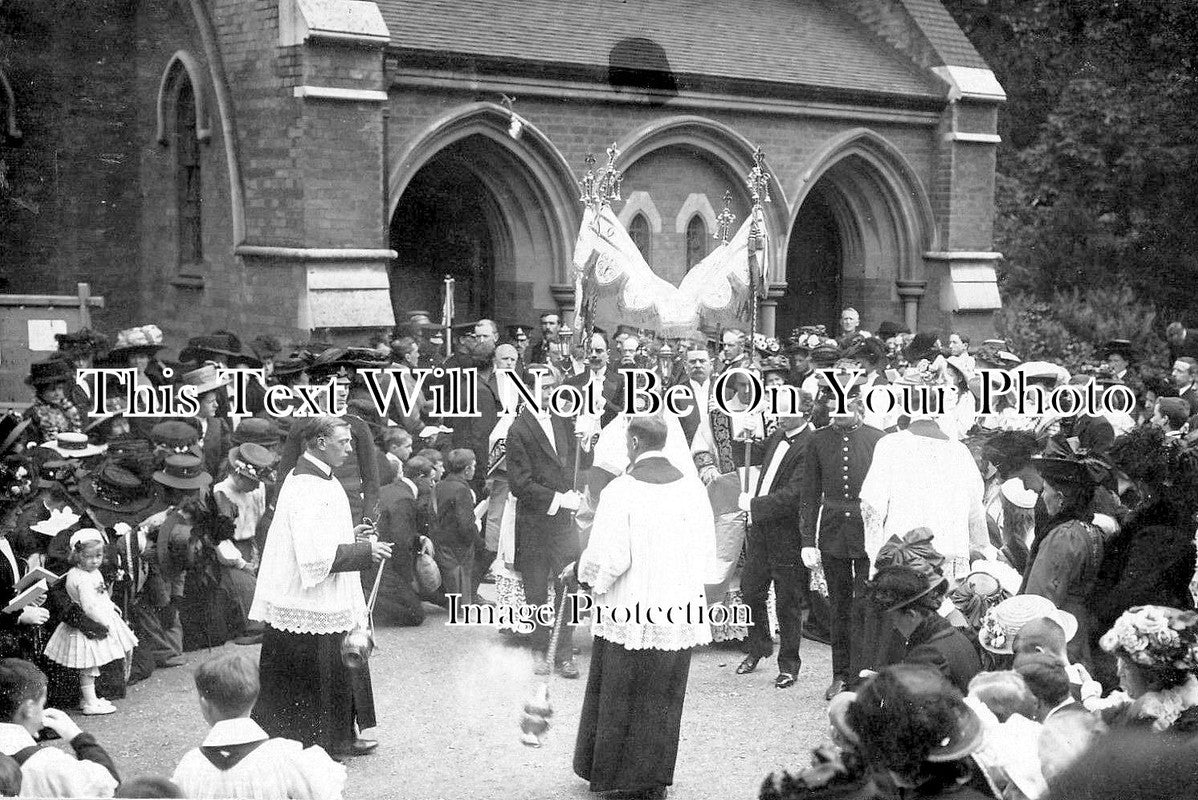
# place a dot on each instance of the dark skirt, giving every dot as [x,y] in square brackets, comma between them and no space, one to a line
[308,694]
[631,716]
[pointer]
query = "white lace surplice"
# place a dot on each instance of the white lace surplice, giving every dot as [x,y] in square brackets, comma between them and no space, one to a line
[652,545]
[296,591]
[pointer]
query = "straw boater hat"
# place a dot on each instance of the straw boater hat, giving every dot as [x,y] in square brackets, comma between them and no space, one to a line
[144,340]
[183,471]
[1003,622]
[253,461]
[50,372]
[74,445]
[205,379]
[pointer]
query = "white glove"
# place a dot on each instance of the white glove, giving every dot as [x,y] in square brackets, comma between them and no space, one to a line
[708,475]
[570,501]
[745,501]
[122,528]
[810,557]
[33,615]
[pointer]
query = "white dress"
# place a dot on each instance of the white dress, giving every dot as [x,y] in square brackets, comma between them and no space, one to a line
[70,647]
[918,481]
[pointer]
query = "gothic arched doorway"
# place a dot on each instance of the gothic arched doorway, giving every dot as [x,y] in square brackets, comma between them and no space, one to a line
[488,203]
[446,223]
[814,268]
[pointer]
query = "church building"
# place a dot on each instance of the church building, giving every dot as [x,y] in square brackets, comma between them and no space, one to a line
[284,166]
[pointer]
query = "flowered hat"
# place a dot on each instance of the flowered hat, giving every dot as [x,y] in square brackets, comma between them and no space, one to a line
[146,339]
[253,461]
[1002,623]
[806,338]
[1155,636]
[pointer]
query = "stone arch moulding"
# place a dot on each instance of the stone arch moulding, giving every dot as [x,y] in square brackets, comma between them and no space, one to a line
[182,61]
[730,150]
[9,100]
[696,203]
[640,202]
[546,166]
[903,192]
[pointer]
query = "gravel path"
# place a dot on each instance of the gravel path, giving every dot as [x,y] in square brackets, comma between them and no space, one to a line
[449,701]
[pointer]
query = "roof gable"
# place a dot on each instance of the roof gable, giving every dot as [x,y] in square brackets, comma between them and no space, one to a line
[808,43]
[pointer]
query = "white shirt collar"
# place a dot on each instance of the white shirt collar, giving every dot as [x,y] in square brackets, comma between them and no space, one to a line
[238,730]
[324,468]
[14,737]
[649,454]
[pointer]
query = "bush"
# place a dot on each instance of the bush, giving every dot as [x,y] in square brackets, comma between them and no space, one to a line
[1072,327]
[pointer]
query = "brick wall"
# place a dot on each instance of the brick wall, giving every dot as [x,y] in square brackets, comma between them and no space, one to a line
[75,170]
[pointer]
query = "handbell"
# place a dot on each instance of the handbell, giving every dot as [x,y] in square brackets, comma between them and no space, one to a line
[356,647]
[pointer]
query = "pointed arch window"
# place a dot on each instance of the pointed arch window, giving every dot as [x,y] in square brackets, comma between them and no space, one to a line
[696,241]
[188,178]
[638,230]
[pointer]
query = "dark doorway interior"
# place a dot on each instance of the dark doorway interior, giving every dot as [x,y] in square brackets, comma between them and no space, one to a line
[442,226]
[814,266]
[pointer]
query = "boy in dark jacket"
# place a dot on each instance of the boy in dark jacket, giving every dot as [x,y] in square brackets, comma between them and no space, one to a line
[455,529]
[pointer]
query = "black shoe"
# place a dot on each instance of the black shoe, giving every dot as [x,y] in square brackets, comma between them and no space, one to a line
[359,747]
[785,680]
[748,665]
[834,688]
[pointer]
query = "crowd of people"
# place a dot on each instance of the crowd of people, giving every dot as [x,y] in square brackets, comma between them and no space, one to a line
[1028,580]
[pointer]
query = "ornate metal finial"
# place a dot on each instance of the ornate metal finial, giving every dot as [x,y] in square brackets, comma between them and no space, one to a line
[759,179]
[725,221]
[508,102]
[600,189]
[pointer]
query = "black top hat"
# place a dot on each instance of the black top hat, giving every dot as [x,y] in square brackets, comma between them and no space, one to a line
[50,372]
[114,488]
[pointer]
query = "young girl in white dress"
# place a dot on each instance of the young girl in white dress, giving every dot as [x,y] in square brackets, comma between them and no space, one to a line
[69,646]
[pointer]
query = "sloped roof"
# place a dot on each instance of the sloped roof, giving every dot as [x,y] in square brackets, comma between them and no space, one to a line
[808,43]
[944,34]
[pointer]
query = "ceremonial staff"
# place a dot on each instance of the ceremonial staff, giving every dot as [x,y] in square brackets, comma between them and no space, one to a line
[447,314]
[759,190]
[597,190]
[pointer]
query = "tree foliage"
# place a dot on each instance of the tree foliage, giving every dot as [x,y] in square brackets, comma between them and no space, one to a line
[1098,170]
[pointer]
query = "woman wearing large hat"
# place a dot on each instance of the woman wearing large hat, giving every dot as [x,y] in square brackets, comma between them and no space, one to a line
[52,411]
[905,733]
[1156,648]
[137,348]
[1077,519]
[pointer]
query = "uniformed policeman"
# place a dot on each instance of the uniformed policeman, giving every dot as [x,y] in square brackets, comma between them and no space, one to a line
[838,459]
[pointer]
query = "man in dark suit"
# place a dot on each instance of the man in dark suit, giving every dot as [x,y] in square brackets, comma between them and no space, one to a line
[401,522]
[1185,378]
[473,432]
[838,460]
[611,382]
[540,463]
[698,368]
[772,551]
